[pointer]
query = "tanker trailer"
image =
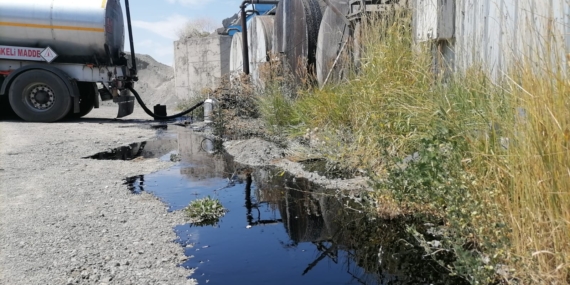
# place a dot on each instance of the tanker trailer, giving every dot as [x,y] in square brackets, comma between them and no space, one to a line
[55,54]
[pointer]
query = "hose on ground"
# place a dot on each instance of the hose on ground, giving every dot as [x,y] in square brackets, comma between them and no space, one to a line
[150,113]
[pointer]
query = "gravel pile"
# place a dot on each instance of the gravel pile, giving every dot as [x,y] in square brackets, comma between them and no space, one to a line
[156,83]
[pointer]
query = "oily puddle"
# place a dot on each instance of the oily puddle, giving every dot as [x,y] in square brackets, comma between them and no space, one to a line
[279,229]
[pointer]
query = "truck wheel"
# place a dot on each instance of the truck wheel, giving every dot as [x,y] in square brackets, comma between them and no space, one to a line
[87,93]
[39,96]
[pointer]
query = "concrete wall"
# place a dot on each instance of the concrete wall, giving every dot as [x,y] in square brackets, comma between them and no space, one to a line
[200,63]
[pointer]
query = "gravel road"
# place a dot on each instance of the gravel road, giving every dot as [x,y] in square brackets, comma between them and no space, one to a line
[68,220]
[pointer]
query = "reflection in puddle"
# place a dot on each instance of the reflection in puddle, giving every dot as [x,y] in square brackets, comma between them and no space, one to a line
[281,229]
[162,149]
[129,152]
[326,168]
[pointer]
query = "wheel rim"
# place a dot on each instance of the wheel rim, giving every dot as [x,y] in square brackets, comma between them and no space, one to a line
[40,97]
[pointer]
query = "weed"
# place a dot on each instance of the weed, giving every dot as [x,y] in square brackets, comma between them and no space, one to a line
[205,211]
[490,158]
[198,113]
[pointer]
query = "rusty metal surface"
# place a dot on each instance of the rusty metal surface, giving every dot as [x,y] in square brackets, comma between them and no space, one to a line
[296,30]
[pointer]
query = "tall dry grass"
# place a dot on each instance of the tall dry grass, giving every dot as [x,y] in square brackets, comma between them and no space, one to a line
[536,192]
[494,159]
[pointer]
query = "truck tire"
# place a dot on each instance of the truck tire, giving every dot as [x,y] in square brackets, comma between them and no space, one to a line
[87,93]
[39,96]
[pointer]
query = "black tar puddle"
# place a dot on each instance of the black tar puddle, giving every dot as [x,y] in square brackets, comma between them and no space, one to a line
[279,229]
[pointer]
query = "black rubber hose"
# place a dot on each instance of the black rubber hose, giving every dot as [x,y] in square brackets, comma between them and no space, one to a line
[150,113]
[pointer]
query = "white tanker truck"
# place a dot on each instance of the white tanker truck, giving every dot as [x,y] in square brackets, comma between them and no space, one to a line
[54,52]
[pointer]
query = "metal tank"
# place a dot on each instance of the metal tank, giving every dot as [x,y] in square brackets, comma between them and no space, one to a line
[236,54]
[85,31]
[332,44]
[261,32]
[296,28]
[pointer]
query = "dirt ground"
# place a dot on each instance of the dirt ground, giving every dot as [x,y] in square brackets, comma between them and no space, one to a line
[259,152]
[69,220]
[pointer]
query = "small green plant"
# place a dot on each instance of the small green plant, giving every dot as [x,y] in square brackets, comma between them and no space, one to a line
[205,211]
[174,157]
[434,180]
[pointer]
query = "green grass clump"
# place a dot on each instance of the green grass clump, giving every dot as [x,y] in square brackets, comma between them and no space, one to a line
[205,211]
[491,157]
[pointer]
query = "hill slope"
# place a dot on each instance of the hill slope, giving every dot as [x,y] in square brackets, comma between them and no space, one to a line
[156,82]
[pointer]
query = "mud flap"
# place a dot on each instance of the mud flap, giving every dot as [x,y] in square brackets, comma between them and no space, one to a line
[126,105]
[75,96]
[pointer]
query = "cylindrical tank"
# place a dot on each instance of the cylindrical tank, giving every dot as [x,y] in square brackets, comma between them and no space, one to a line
[296,27]
[236,54]
[85,31]
[261,32]
[332,41]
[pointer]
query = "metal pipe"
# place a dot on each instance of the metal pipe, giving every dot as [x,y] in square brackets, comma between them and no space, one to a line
[129,26]
[243,15]
[244,49]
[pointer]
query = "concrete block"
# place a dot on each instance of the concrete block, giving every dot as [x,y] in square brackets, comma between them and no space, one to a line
[200,63]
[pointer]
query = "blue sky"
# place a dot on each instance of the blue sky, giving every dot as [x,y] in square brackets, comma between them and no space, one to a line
[156,22]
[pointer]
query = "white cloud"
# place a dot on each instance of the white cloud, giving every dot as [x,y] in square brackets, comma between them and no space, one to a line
[166,28]
[160,51]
